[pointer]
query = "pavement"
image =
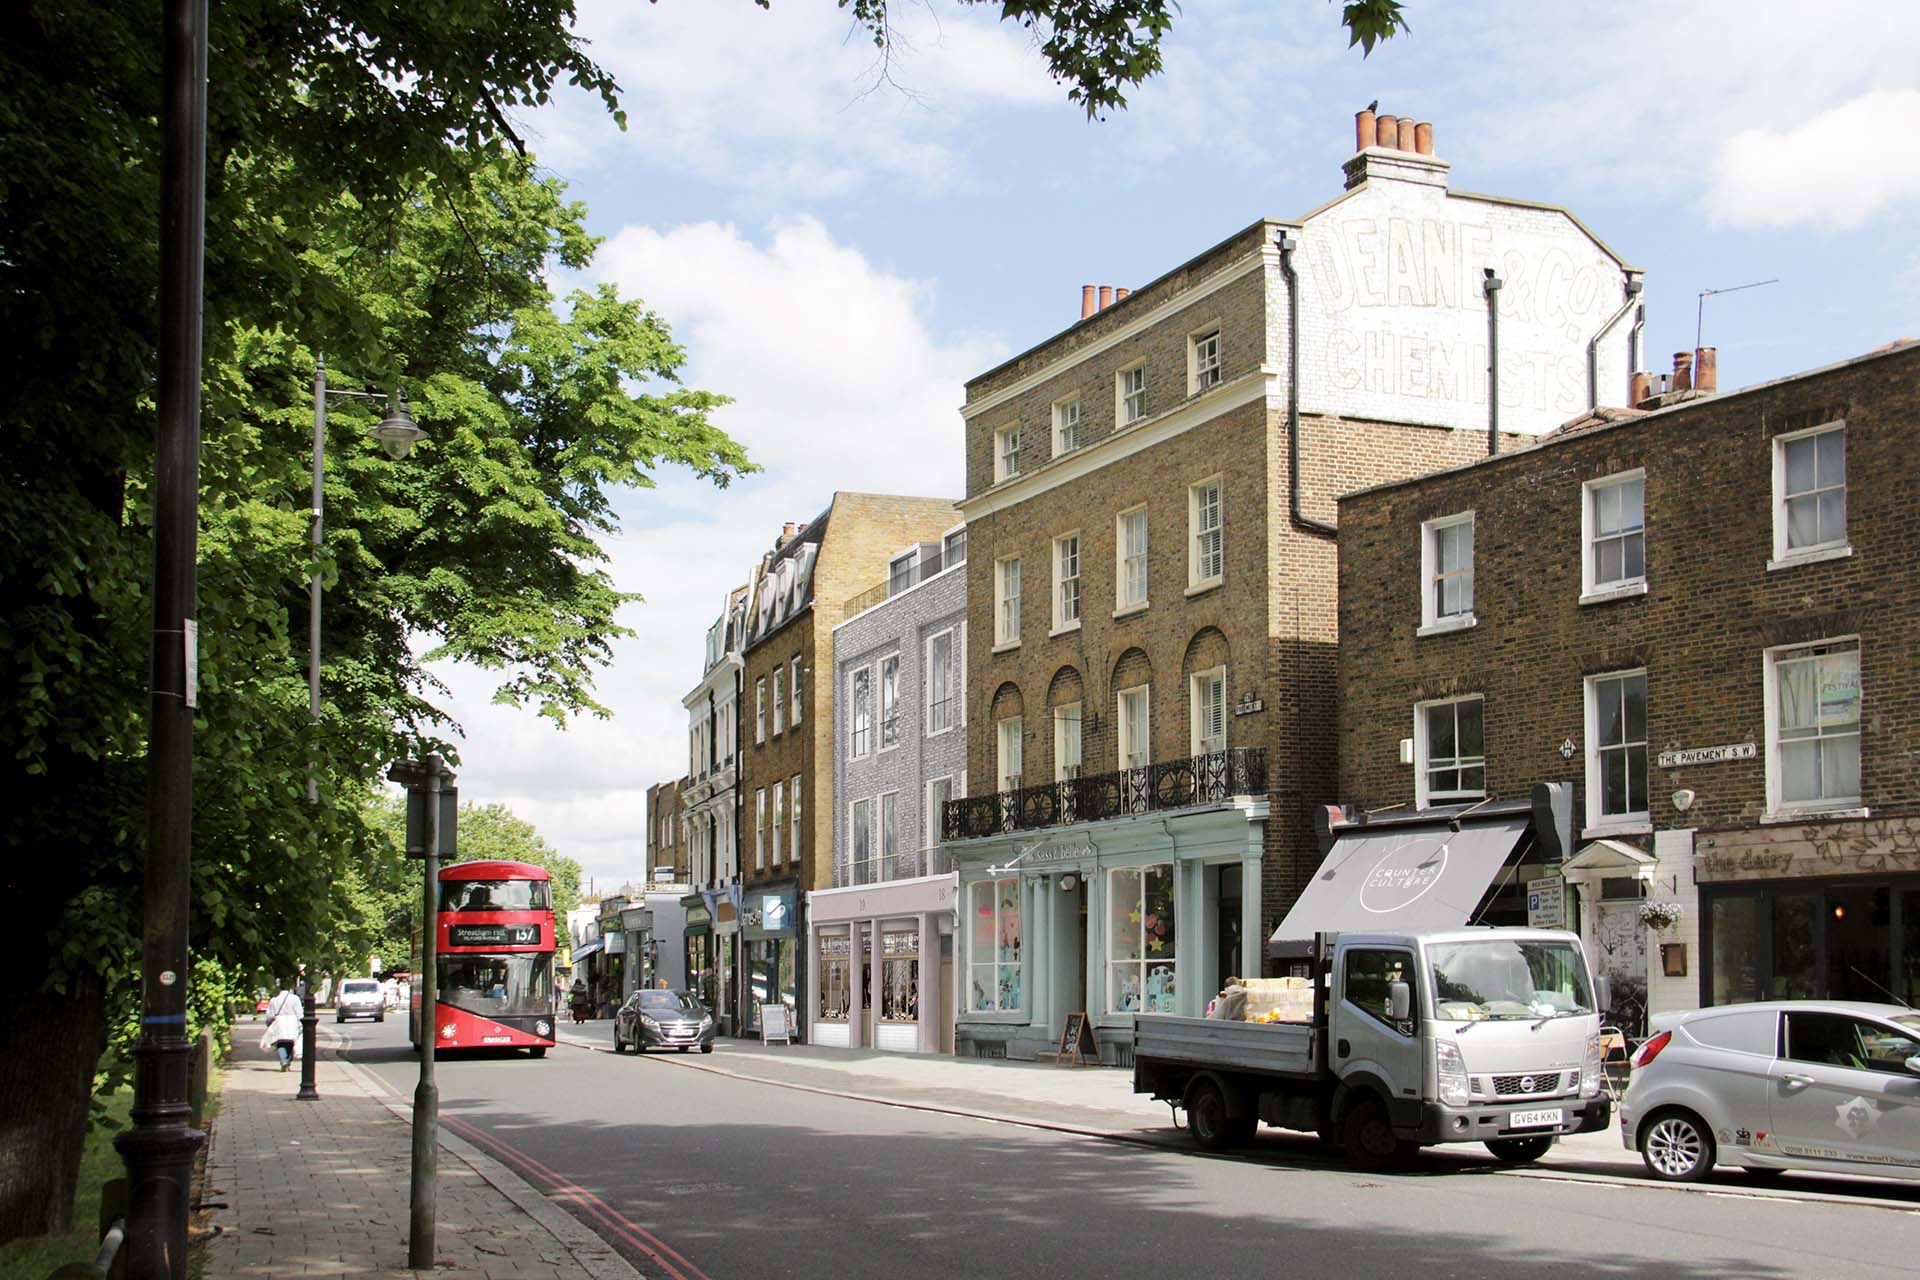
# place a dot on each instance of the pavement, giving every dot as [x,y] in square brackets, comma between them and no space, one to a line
[322,1188]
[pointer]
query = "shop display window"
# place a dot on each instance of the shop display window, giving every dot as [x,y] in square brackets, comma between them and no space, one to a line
[836,984]
[993,945]
[900,976]
[1142,953]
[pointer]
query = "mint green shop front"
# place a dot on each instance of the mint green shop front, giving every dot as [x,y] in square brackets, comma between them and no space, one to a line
[1066,919]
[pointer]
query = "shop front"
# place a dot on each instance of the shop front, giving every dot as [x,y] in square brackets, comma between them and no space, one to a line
[1821,910]
[770,962]
[905,1002]
[697,949]
[1142,914]
[636,924]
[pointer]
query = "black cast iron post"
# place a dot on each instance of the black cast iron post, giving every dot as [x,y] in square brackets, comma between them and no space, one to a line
[309,1032]
[426,775]
[159,1147]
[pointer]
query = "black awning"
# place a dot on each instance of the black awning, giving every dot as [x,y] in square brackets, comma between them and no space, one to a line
[1403,878]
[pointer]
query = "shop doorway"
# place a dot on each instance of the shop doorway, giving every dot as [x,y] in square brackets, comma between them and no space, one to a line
[1837,940]
[1231,961]
[1621,942]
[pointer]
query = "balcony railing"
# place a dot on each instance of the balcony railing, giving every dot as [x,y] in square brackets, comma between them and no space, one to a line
[907,864]
[1153,788]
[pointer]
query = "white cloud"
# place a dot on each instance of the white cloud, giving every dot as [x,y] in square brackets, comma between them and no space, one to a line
[838,383]
[1834,172]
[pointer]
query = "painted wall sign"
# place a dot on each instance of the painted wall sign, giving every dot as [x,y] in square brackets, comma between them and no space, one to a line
[1707,755]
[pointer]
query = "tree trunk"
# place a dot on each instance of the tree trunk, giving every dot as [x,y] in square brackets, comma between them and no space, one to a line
[50,1045]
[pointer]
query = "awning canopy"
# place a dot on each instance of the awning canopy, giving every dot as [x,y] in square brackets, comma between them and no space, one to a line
[1400,878]
[581,953]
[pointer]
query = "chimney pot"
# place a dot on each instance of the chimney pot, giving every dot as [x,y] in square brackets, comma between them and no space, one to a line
[1706,369]
[1683,371]
[1386,132]
[1406,133]
[1087,304]
[1120,294]
[1423,137]
[1363,130]
[1106,296]
[1641,389]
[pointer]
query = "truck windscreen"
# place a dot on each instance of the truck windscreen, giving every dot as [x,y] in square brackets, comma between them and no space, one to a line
[1503,978]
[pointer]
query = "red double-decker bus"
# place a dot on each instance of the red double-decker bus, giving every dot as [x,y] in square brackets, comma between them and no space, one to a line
[494,959]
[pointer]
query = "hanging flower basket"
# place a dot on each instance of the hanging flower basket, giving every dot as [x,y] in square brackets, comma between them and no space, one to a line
[1660,915]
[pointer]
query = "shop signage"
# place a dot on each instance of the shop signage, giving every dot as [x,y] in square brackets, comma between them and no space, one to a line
[1547,903]
[1707,755]
[1058,851]
[1403,875]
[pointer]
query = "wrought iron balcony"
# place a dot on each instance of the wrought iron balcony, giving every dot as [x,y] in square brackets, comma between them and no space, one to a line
[1167,784]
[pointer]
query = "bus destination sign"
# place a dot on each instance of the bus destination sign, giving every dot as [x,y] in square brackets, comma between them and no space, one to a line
[493,935]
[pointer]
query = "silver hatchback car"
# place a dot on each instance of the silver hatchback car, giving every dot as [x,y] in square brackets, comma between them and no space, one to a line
[1827,1085]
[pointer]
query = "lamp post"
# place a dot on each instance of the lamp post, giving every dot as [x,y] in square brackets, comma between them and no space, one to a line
[396,434]
[423,780]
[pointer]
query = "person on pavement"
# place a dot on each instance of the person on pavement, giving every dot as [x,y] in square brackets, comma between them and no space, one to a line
[283,1027]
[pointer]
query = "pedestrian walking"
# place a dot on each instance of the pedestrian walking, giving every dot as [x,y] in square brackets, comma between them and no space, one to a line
[579,1002]
[283,1027]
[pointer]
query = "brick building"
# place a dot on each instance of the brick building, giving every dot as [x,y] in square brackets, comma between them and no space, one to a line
[1151,575]
[711,800]
[1705,619]
[786,721]
[899,754]
[666,832]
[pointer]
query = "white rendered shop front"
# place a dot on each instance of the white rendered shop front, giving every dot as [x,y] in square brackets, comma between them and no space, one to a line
[881,974]
[1134,915]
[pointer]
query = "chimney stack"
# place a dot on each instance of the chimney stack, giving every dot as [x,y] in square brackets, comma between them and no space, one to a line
[1683,371]
[1106,296]
[1363,129]
[1640,389]
[1706,369]
[1410,141]
[1387,132]
[1406,134]
[1120,294]
[1423,137]
[1087,304]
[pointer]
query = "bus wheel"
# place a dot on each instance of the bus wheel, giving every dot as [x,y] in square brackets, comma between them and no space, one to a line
[538,1051]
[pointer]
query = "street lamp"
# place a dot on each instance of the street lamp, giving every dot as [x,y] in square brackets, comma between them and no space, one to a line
[396,434]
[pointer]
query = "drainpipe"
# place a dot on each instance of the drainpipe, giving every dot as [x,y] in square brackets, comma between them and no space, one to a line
[1288,242]
[1633,348]
[1492,290]
[1593,347]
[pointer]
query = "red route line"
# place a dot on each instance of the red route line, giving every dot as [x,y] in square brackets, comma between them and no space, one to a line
[638,1236]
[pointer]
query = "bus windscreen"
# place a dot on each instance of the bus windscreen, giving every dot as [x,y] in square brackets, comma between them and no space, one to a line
[495,895]
[498,986]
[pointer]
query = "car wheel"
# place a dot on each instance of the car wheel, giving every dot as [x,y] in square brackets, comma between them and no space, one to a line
[1677,1147]
[706,1048]
[639,1046]
[686,1048]
[379,1017]
[337,1021]
[1521,1150]
[1367,1133]
[619,1045]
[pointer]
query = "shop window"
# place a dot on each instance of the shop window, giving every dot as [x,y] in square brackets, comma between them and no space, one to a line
[1142,952]
[993,945]
[1813,726]
[1450,760]
[1617,749]
[899,975]
[836,984]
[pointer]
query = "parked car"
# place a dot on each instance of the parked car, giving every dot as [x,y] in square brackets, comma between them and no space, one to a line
[663,1020]
[360,998]
[1827,1085]
[260,1006]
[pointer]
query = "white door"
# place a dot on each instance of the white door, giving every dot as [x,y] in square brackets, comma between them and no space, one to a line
[1620,941]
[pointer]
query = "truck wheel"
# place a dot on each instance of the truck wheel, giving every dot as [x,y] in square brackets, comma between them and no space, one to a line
[1520,1150]
[1207,1119]
[1677,1147]
[1367,1134]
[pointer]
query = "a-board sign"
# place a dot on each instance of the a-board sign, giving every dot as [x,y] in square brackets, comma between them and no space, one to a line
[1076,1040]
[773,1024]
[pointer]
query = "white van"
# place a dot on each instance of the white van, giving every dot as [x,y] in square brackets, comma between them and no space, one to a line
[360,998]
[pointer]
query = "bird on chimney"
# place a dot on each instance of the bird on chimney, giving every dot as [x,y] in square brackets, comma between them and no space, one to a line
[1374,105]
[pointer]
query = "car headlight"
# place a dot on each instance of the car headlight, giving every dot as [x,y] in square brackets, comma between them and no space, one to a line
[1590,1068]
[706,1020]
[1449,1073]
[649,1023]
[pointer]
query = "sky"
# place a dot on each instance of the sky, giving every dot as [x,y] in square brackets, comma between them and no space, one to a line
[839,243]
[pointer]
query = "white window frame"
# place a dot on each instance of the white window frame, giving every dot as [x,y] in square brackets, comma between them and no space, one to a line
[1006,603]
[1592,588]
[1009,752]
[1006,453]
[1123,601]
[1778,807]
[936,807]
[793,817]
[1204,371]
[1199,535]
[760,829]
[1422,757]
[1197,686]
[779,819]
[1067,597]
[887,695]
[760,710]
[1833,548]
[1068,713]
[1432,621]
[779,700]
[1124,394]
[1143,964]
[1599,821]
[859,732]
[1128,753]
[793,690]
[1066,425]
[935,724]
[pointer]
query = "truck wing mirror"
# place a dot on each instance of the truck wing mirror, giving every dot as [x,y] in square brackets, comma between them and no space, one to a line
[1399,1001]
[1603,994]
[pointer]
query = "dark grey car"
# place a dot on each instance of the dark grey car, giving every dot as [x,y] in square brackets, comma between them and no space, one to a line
[658,1019]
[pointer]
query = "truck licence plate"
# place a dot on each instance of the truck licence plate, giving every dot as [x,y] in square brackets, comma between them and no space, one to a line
[1534,1119]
